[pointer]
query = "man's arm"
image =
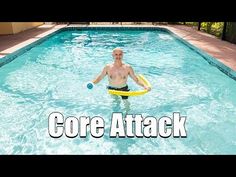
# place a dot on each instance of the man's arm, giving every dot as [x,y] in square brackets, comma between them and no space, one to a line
[135,78]
[101,75]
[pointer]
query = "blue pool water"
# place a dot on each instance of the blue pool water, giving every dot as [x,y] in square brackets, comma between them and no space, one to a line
[52,76]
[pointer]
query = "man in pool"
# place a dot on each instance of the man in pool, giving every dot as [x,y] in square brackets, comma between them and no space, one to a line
[118,73]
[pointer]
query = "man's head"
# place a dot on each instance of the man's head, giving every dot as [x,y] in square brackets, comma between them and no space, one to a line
[117,54]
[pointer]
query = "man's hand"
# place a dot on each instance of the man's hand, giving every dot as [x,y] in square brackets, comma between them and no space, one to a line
[147,88]
[135,78]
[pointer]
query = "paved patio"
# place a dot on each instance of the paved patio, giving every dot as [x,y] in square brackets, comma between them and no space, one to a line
[11,43]
[221,50]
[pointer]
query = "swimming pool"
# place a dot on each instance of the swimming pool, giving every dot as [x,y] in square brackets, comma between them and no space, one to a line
[52,76]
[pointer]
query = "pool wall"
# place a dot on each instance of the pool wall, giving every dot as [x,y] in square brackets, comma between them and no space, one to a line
[211,60]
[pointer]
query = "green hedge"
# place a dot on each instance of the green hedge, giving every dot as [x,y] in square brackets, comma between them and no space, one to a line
[214,28]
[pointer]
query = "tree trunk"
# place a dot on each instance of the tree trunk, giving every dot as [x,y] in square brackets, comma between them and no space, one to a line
[224,31]
[199,26]
[230,34]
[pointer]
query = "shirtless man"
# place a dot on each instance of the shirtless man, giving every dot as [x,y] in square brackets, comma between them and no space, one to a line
[118,73]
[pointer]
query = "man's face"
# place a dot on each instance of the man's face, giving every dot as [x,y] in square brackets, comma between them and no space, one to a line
[117,54]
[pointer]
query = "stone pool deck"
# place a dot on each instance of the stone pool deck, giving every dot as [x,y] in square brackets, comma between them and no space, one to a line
[11,43]
[223,51]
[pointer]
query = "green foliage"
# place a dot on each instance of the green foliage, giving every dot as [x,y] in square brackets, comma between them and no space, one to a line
[214,28]
[192,23]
